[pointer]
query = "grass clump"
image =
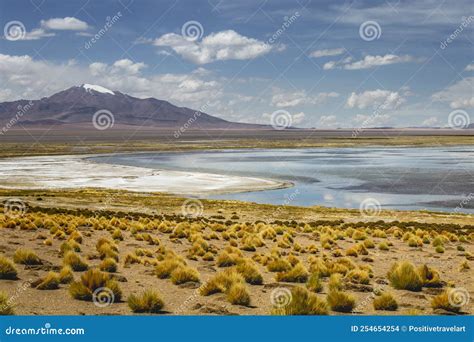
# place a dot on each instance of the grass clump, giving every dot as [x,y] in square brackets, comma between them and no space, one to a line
[74,261]
[302,302]
[238,295]
[464,266]
[108,265]
[26,257]
[340,301]
[92,280]
[147,302]
[442,301]
[7,269]
[430,277]
[229,282]
[358,276]
[383,246]
[50,282]
[404,276]
[226,259]
[184,274]
[66,275]
[250,272]
[164,269]
[314,283]
[386,302]
[278,265]
[298,274]
[5,307]
[335,282]
[221,282]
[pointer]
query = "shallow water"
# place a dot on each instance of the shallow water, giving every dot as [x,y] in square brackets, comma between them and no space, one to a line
[399,178]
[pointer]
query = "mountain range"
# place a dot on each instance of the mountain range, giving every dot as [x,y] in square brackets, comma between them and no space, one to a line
[77,106]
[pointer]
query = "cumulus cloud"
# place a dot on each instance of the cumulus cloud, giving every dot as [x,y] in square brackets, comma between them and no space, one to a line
[56,24]
[300,97]
[375,98]
[470,67]
[67,23]
[458,95]
[297,118]
[25,77]
[219,46]
[327,52]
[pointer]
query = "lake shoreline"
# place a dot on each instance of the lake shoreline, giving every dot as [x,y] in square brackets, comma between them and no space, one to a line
[70,172]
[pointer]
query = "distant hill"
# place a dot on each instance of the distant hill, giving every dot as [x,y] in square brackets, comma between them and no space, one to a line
[77,105]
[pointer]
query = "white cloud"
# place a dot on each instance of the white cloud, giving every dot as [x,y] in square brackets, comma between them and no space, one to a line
[430,122]
[328,121]
[297,118]
[300,97]
[369,62]
[374,61]
[219,46]
[458,95]
[67,23]
[127,66]
[84,34]
[329,65]
[470,67]
[36,34]
[164,53]
[24,77]
[375,98]
[327,52]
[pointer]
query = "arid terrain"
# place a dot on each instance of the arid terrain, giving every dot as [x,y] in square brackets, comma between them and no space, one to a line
[227,257]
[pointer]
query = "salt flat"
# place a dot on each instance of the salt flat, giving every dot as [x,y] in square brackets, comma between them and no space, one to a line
[69,172]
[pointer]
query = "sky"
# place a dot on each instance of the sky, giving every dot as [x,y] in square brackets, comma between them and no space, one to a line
[324,64]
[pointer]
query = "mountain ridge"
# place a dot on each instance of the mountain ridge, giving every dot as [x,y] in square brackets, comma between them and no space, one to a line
[78,104]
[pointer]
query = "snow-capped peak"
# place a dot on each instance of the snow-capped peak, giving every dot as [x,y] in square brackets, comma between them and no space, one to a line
[97,88]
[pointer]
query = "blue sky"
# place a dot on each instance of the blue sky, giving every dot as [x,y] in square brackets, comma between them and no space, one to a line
[312,59]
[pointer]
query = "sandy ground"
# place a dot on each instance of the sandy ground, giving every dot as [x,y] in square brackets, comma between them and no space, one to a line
[70,172]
